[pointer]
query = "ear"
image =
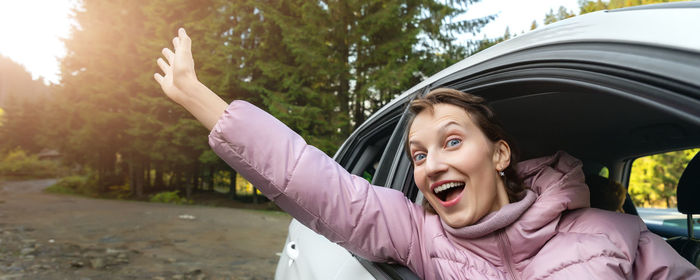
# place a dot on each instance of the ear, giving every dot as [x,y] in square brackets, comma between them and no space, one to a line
[501,155]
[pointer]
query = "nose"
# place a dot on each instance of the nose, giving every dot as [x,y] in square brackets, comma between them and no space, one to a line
[434,165]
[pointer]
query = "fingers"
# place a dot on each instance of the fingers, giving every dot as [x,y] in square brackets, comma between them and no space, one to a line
[158,77]
[181,42]
[163,66]
[169,55]
[185,40]
[176,43]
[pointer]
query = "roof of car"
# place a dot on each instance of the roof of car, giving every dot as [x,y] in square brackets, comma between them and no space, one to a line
[640,25]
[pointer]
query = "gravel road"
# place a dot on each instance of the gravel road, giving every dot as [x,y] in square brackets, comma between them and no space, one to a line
[47,236]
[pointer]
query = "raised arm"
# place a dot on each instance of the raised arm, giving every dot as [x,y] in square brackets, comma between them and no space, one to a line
[377,223]
[179,82]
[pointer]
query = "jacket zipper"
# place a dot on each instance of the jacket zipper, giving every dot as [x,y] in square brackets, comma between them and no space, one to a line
[505,249]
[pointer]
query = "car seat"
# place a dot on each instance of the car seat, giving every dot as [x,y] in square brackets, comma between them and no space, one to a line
[688,193]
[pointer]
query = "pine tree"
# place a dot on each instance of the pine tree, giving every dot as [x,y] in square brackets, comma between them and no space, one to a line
[343,59]
[99,80]
[320,67]
[20,98]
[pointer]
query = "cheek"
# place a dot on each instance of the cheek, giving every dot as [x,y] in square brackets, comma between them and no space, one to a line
[475,156]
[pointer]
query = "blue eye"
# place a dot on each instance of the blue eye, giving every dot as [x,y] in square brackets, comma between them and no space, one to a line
[418,157]
[453,142]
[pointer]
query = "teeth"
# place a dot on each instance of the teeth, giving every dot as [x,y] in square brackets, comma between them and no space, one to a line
[447,186]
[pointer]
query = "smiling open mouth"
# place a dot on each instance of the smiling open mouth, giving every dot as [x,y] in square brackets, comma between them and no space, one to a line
[448,191]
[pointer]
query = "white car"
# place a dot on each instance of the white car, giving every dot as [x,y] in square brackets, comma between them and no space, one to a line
[607,87]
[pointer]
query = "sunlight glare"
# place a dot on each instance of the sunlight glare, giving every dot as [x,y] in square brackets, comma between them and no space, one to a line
[30,32]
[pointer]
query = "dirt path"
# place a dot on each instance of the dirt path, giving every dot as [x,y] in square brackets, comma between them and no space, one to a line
[45,236]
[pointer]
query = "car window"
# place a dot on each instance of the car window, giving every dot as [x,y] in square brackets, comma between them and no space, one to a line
[652,187]
[370,152]
[366,149]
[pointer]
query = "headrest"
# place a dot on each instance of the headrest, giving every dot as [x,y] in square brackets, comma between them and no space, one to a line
[688,191]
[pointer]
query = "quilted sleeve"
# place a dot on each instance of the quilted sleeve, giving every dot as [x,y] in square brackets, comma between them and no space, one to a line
[657,260]
[377,223]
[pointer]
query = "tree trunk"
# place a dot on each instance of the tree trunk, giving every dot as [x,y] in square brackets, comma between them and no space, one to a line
[232,186]
[211,178]
[100,173]
[138,178]
[191,185]
[158,182]
[132,181]
[171,180]
[344,85]
[148,178]
[177,178]
[255,195]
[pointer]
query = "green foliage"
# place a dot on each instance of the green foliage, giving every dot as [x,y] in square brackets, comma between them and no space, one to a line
[119,191]
[303,60]
[320,67]
[487,43]
[169,197]
[21,98]
[560,14]
[654,178]
[588,6]
[533,25]
[17,163]
[74,184]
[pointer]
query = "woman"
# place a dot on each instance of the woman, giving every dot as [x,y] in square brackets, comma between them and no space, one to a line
[480,222]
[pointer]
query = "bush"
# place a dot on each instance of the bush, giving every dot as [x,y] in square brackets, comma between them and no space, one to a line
[169,197]
[17,163]
[74,185]
[119,192]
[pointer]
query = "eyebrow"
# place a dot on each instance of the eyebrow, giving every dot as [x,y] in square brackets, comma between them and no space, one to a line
[445,126]
[441,131]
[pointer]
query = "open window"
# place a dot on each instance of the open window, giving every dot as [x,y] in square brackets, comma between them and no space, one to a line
[368,153]
[653,181]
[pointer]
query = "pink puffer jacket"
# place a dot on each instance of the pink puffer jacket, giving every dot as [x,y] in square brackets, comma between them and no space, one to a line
[551,233]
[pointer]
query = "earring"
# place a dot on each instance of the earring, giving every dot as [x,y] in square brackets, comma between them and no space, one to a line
[501,173]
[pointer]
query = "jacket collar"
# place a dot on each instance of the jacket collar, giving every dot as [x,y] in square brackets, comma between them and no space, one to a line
[556,183]
[495,220]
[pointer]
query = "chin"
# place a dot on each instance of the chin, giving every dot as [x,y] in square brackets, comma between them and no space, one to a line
[456,222]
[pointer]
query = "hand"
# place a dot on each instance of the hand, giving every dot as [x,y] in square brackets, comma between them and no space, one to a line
[179,75]
[181,85]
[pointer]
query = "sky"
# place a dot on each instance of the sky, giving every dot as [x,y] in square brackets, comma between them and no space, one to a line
[517,15]
[31,30]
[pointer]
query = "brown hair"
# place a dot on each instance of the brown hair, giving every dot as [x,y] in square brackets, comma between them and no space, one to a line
[485,119]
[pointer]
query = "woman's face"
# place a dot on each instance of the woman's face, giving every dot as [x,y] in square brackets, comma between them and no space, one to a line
[456,166]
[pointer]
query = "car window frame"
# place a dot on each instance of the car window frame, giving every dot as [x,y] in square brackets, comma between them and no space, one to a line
[386,172]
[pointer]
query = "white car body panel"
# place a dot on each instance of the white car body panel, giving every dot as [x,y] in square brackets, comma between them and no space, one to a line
[316,258]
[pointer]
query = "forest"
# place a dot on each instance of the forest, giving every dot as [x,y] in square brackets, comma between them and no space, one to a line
[320,67]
